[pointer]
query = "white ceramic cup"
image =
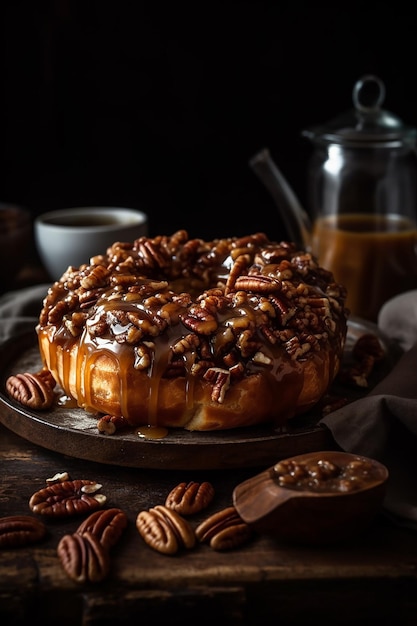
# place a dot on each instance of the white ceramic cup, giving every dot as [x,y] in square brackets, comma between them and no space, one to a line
[70,237]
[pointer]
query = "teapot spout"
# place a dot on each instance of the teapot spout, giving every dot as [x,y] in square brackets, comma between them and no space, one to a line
[296,220]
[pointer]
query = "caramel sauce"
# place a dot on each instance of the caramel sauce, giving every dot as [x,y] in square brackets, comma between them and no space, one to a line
[152,432]
[285,379]
[159,364]
[373,256]
[324,475]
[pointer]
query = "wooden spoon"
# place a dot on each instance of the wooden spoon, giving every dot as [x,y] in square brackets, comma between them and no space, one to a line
[317,497]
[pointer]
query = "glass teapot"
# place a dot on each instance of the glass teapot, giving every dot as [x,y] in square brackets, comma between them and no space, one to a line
[361,222]
[362,189]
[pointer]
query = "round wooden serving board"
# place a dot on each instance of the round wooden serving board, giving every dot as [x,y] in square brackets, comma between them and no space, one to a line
[73,432]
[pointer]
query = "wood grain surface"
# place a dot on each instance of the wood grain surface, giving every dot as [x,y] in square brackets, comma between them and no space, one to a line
[370,577]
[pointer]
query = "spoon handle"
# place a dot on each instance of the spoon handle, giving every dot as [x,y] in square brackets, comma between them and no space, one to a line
[296,220]
[258,497]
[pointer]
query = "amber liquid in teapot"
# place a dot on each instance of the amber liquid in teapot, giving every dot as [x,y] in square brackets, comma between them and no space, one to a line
[373,256]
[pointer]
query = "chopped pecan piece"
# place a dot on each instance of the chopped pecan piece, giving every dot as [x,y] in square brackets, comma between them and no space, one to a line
[165,530]
[107,525]
[190,498]
[220,379]
[241,262]
[83,558]
[35,391]
[20,530]
[70,497]
[224,530]
[59,477]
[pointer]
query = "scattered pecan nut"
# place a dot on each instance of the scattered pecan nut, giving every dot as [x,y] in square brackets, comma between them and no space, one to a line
[367,352]
[20,530]
[83,557]
[107,525]
[165,530]
[70,497]
[224,530]
[35,391]
[109,424]
[368,346]
[190,498]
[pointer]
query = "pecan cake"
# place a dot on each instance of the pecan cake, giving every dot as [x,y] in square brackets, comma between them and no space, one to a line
[184,333]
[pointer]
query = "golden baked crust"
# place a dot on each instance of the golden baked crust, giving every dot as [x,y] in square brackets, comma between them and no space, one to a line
[183,333]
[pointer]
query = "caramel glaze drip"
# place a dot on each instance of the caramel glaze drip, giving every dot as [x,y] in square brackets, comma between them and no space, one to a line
[142,323]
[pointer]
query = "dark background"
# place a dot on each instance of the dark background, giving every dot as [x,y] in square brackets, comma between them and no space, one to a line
[161,105]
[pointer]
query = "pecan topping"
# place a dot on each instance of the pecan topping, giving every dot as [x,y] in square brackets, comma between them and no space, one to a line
[220,379]
[70,497]
[259,284]
[35,391]
[20,530]
[165,530]
[107,525]
[83,558]
[224,530]
[222,300]
[199,320]
[241,262]
[190,498]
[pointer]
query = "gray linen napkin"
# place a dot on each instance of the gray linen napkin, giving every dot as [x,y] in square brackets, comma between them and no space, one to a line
[19,310]
[398,319]
[383,425]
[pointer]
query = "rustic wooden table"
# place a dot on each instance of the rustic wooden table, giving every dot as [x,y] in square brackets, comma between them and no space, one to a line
[371,578]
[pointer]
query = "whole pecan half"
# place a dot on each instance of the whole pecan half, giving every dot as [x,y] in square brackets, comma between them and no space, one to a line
[20,530]
[70,497]
[35,391]
[165,530]
[107,525]
[190,498]
[224,530]
[83,557]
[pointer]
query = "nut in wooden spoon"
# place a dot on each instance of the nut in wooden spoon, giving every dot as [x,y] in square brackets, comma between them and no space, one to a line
[317,497]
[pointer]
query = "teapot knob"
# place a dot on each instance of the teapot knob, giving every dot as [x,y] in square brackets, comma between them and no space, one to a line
[368,94]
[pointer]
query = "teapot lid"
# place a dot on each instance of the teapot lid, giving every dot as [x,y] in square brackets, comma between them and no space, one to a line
[367,123]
